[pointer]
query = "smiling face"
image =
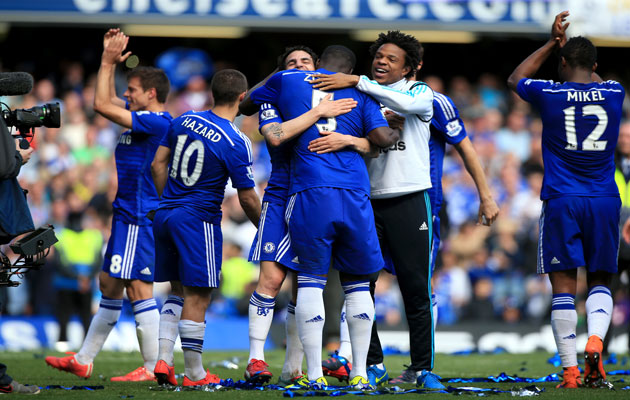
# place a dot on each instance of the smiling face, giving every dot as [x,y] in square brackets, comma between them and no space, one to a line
[299,59]
[388,65]
[136,96]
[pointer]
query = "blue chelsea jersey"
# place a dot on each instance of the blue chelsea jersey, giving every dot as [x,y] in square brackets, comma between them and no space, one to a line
[580,131]
[206,150]
[293,95]
[278,184]
[446,127]
[136,194]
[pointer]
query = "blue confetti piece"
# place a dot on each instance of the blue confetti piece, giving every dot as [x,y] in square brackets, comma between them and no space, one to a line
[98,387]
[619,372]
[555,360]
[503,377]
[612,359]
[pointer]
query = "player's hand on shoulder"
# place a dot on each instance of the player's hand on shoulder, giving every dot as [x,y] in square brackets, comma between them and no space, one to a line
[488,212]
[559,28]
[331,108]
[395,121]
[329,142]
[334,81]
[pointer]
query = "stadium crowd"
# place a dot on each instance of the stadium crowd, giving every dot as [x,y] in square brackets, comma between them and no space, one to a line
[481,274]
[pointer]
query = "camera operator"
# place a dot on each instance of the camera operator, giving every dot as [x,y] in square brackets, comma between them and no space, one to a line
[15,219]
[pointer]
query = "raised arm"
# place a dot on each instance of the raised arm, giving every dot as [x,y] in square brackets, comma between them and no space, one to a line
[277,133]
[103,103]
[488,209]
[159,168]
[112,81]
[531,65]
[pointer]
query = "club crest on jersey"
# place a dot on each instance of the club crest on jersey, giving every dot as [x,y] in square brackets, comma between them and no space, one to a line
[269,247]
[268,114]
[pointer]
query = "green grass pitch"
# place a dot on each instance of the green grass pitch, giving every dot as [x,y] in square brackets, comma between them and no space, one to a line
[29,368]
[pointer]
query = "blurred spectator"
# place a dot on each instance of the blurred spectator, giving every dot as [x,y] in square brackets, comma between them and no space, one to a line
[236,274]
[480,308]
[514,137]
[387,301]
[452,288]
[78,259]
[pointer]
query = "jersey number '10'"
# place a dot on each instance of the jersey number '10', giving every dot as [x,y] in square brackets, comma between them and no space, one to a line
[194,146]
[590,143]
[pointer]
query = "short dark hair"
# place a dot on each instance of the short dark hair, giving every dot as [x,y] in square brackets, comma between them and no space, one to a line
[282,58]
[412,47]
[151,77]
[227,85]
[579,52]
[339,55]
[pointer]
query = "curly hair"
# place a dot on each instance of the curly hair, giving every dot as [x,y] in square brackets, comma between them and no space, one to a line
[412,47]
[282,58]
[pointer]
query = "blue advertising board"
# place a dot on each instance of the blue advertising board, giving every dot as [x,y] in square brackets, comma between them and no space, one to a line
[473,15]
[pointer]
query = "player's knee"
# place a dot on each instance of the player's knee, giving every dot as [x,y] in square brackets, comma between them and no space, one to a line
[138,290]
[271,279]
[109,286]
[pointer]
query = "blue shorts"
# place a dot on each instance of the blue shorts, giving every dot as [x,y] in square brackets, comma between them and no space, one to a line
[330,224]
[187,249]
[129,253]
[272,242]
[579,232]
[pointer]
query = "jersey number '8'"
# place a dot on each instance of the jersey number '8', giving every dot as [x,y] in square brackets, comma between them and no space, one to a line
[590,143]
[194,146]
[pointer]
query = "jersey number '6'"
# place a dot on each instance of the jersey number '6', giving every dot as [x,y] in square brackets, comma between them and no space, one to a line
[194,146]
[590,143]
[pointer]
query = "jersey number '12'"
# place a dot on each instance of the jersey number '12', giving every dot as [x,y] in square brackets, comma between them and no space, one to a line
[194,146]
[590,143]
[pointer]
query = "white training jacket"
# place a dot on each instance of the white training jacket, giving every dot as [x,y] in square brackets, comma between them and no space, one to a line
[403,168]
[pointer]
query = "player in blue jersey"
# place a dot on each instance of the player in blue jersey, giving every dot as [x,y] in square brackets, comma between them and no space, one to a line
[191,168]
[129,258]
[579,223]
[272,245]
[399,180]
[330,217]
[446,127]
